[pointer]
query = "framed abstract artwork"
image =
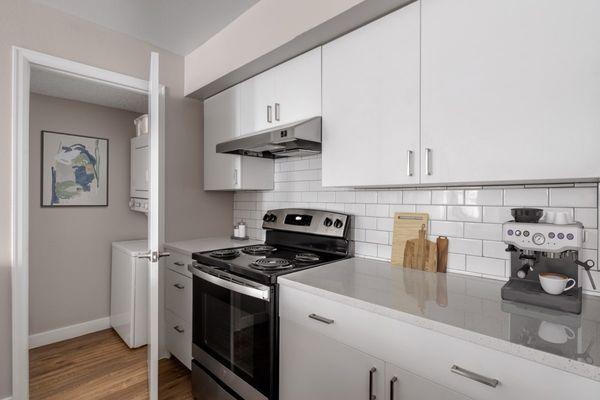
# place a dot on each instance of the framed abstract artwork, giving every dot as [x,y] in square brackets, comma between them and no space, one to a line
[74,170]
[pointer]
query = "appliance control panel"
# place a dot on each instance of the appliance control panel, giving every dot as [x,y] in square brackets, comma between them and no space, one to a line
[317,222]
[139,205]
[543,237]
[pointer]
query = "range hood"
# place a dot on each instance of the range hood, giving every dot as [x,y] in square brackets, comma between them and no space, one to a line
[298,138]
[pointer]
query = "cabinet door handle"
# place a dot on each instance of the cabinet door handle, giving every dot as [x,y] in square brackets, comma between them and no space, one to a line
[179,263]
[474,376]
[269,114]
[371,374]
[392,384]
[235,176]
[277,111]
[179,329]
[321,319]
[427,161]
[409,163]
[179,286]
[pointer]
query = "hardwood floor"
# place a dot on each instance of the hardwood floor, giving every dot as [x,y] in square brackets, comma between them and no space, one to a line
[101,366]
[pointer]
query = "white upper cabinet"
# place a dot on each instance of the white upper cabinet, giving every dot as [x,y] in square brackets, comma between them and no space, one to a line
[510,90]
[230,171]
[371,103]
[287,93]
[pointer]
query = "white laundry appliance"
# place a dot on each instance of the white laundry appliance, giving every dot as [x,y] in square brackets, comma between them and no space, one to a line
[129,292]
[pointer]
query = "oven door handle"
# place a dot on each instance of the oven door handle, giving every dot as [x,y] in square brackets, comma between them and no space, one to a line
[233,283]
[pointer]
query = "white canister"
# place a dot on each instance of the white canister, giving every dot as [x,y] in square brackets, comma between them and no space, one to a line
[242,229]
[236,231]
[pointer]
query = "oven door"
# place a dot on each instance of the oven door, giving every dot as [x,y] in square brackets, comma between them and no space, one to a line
[234,323]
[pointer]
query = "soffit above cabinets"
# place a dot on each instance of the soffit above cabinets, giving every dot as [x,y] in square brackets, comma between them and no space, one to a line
[175,25]
[353,18]
[53,83]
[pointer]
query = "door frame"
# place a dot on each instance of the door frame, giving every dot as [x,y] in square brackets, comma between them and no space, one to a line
[22,60]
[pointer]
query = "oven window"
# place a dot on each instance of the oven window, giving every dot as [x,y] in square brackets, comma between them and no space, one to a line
[236,330]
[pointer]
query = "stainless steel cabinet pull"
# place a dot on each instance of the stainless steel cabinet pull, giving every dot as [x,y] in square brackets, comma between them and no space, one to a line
[409,163]
[474,376]
[179,286]
[371,374]
[269,114]
[277,112]
[235,176]
[321,319]
[392,384]
[179,329]
[179,263]
[427,161]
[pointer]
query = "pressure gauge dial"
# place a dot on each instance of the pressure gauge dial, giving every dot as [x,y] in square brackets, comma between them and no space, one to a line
[538,239]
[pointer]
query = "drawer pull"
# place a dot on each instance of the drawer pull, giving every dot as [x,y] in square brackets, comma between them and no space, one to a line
[371,374]
[392,384]
[474,376]
[179,263]
[321,319]
[179,329]
[179,286]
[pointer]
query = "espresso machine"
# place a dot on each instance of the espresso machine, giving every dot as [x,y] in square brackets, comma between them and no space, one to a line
[543,247]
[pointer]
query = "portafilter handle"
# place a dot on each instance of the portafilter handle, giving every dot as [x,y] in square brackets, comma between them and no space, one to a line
[587,265]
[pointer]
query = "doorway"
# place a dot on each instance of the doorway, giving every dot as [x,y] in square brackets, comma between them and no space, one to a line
[92,85]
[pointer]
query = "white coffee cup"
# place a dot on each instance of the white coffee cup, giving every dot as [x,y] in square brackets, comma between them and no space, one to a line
[555,333]
[554,283]
[562,218]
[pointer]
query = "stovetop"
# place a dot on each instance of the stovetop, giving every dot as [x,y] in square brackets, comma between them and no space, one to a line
[266,265]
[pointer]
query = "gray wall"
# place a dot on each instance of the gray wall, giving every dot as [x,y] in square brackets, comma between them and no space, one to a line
[69,267]
[190,212]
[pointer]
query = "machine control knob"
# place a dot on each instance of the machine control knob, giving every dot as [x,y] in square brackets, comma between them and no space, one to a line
[266,217]
[272,218]
[338,223]
[538,239]
[328,222]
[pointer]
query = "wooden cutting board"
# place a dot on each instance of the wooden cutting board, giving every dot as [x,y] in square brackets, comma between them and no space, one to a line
[420,253]
[406,227]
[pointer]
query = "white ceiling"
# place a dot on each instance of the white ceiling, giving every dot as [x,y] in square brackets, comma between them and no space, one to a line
[59,84]
[176,25]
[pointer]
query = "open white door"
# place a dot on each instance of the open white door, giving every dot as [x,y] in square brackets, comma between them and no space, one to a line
[155,218]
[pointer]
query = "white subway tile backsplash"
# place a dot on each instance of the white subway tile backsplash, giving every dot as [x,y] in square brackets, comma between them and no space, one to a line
[526,197]
[471,217]
[483,231]
[486,266]
[445,228]
[464,213]
[483,197]
[435,212]
[366,197]
[574,197]
[377,210]
[447,197]
[416,197]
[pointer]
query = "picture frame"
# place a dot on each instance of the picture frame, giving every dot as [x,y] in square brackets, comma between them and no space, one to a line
[74,170]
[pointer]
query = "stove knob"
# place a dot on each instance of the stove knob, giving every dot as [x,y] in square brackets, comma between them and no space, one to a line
[338,223]
[328,222]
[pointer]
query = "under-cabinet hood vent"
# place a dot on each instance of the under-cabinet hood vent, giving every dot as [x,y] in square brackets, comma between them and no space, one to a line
[298,138]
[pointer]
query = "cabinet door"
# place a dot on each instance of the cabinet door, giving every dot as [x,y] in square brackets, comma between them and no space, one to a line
[298,88]
[403,385]
[221,123]
[313,366]
[140,174]
[257,98]
[371,103]
[510,90]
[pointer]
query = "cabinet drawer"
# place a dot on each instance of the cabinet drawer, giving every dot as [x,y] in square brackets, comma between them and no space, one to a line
[179,295]
[179,338]
[431,354]
[179,262]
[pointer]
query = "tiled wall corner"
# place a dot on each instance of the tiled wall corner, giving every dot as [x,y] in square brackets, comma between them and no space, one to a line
[471,217]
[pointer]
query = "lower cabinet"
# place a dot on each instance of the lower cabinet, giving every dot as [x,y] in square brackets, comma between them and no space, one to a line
[314,366]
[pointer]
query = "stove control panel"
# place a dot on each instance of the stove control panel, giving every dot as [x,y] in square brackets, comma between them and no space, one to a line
[543,237]
[317,222]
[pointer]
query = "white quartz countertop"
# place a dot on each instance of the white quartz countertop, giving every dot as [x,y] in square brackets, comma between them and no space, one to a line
[205,244]
[466,307]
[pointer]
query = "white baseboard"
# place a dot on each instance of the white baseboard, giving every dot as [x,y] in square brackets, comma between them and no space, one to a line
[68,332]
[8,398]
